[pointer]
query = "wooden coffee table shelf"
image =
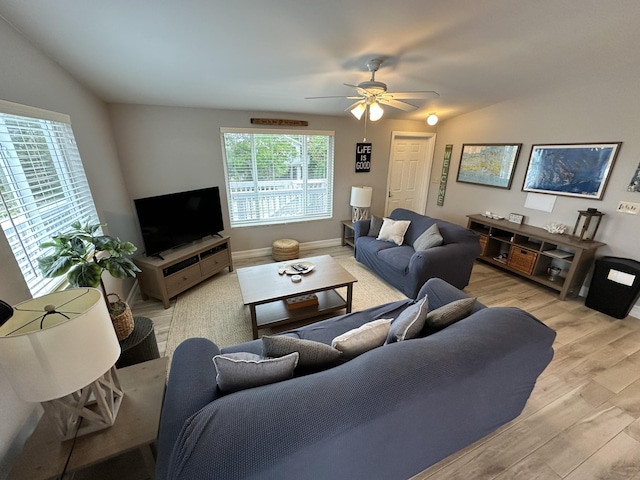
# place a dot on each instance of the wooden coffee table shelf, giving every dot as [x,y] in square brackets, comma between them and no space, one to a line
[264,291]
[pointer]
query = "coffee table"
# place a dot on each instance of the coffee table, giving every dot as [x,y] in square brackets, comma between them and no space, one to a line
[265,291]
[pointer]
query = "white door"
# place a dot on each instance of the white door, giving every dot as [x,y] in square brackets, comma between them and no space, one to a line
[409,170]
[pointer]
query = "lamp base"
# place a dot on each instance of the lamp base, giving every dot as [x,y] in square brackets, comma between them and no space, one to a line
[359,213]
[95,405]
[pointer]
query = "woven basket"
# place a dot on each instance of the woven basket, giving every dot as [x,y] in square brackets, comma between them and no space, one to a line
[122,322]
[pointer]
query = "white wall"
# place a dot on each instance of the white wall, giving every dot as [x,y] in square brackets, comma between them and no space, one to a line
[32,79]
[166,149]
[603,109]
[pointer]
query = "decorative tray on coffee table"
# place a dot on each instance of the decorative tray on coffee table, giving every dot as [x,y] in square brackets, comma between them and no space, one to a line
[298,268]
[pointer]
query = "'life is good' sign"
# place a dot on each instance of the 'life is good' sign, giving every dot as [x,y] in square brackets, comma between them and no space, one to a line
[363,157]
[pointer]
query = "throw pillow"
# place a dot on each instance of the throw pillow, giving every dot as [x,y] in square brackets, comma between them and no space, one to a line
[393,230]
[409,323]
[430,238]
[375,226]
[241,370]
[312,354]
[448,314]
[365,337]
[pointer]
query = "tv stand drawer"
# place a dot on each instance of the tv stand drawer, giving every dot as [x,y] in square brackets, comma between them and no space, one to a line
[185,278]
[214,263]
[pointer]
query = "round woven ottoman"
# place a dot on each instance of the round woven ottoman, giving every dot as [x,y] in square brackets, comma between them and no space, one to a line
[285,249]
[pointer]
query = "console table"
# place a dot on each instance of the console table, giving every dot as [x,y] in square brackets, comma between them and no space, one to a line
[530,252]
[182,268]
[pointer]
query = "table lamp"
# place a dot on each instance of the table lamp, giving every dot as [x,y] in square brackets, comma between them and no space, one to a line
[360,201]
[60,350]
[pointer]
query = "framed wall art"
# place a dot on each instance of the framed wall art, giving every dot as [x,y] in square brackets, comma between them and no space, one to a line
[489,164]
[575,170]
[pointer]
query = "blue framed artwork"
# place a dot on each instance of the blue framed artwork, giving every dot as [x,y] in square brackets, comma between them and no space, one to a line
[489,164]
[574,170]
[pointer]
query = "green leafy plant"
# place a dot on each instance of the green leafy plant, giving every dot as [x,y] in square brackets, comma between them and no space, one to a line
[84,253]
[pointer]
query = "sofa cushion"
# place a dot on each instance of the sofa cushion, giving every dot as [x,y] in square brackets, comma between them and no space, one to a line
[393,230]
[409,323]
[366,337]
[430,238]
[238,371]
[312,354]
[448,314]
[376,225]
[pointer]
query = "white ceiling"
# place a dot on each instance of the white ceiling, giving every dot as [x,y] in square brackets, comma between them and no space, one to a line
[269,55]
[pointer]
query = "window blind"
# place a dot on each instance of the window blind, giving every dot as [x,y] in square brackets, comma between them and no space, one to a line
[43,187]
[278,176]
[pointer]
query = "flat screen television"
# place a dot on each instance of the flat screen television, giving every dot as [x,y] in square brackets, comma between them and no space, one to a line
[168,221]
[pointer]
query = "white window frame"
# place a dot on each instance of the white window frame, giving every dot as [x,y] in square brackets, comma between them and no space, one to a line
[315,197]
[42,194]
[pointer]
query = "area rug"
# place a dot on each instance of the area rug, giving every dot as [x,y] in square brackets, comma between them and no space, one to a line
[214,309]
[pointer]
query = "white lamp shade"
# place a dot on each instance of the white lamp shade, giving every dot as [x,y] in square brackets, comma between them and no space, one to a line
[361,197]
[64,355]
[358,110]
[432,119]
[375,111]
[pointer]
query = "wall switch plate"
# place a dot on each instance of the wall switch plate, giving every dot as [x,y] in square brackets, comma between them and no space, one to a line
[628,207]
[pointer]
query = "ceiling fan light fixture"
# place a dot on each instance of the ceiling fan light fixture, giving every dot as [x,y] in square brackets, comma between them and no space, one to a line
[358,110]
[375,111]
[432,119]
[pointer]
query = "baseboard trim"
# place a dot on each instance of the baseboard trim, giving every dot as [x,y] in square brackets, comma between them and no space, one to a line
[262,252]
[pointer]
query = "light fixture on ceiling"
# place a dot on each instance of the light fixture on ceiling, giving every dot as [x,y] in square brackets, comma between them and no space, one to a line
[358,110]
[432,119]
[375,111]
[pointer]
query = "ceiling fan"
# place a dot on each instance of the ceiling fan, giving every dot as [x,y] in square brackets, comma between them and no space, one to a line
[372,94]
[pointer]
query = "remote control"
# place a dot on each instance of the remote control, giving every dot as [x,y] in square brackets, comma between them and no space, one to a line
[298,268]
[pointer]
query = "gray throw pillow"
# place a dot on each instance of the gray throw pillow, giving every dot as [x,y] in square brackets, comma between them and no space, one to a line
[409,323]
[312,354]
[241,370]
[430,238]
[365,337]
[448,314]
[375,226]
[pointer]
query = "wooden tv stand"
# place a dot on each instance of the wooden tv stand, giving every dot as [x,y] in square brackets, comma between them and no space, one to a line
[182,268]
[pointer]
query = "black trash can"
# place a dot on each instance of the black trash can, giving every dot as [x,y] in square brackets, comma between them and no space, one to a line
[615,286]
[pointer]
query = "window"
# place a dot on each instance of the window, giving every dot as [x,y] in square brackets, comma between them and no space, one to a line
[278,176]
[43,188]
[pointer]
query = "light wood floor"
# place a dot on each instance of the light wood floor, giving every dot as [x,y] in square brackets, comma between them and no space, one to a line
[583,418]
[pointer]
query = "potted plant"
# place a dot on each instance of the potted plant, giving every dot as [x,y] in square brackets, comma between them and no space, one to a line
[83,254]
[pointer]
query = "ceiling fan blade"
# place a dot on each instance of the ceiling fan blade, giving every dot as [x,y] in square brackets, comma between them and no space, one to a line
[412,95]
[333,96]
[353,105]
[407,107]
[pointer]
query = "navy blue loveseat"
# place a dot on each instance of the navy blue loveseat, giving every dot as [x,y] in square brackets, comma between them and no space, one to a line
[407,269]
[386,414]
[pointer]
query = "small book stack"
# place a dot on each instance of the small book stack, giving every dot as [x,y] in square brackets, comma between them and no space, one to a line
[301,301]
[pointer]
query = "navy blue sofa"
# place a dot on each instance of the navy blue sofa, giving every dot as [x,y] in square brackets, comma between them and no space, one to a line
[408,270]
[387,414]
